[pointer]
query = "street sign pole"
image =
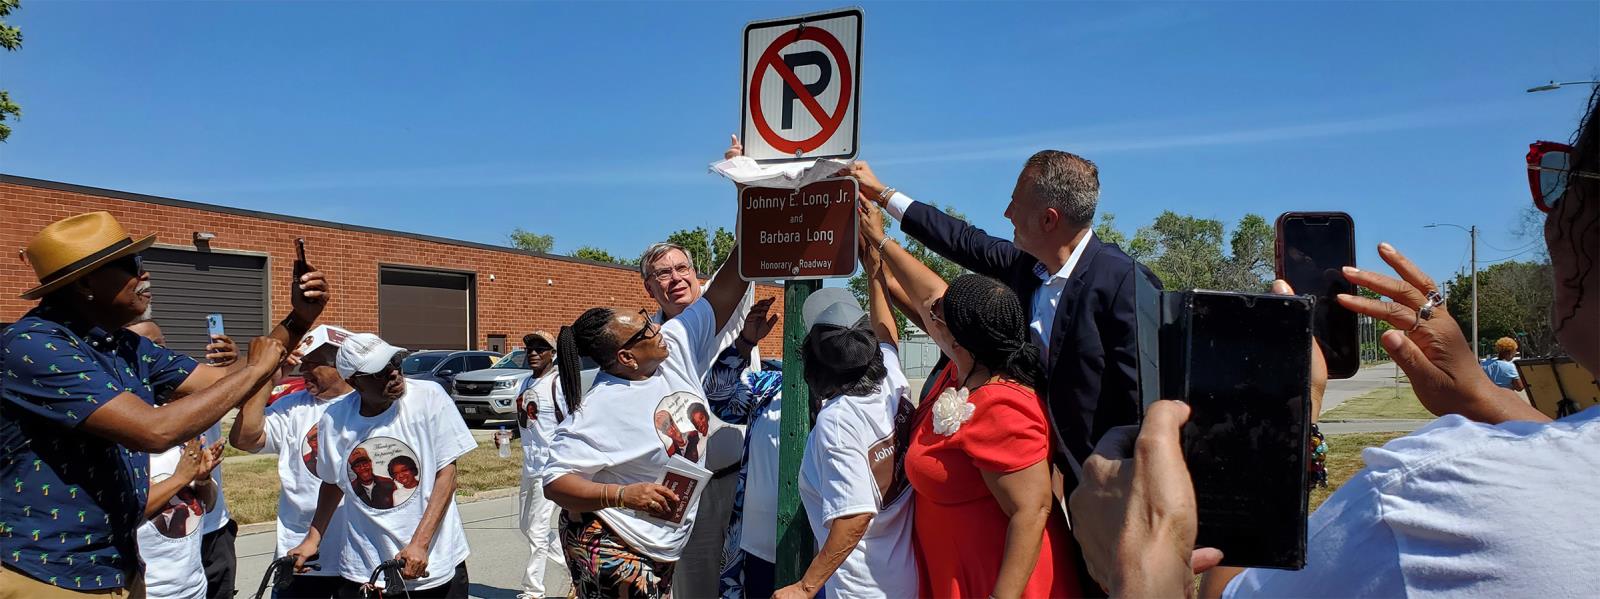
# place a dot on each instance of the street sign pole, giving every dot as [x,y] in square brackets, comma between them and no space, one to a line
[795,544]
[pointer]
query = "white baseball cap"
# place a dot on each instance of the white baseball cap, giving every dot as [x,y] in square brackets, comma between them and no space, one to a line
[364,353]
[322,343]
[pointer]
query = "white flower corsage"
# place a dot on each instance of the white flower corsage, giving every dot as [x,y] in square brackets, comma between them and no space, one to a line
[951,410]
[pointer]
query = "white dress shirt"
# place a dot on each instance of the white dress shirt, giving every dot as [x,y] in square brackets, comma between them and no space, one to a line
[1045,299]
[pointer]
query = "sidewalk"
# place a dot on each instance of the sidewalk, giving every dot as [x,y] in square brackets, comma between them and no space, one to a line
[499,553]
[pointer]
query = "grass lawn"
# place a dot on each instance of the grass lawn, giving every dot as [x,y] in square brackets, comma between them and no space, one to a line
[1381,404]
[252,485]
[1344,459]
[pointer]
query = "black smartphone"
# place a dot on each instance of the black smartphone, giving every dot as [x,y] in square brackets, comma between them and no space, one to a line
[1243,364]
[301,267]
[1311,250]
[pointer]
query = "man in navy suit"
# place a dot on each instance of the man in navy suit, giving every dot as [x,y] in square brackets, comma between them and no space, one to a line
[1079,290]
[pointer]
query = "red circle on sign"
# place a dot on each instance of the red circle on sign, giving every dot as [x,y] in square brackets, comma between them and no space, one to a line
[830,122]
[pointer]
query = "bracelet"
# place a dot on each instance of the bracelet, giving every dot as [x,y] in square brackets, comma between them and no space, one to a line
[885,242]
[293,323]
[619,497]
[888,192]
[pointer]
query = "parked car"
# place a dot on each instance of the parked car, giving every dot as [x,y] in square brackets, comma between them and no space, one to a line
[491,394]
[442,366]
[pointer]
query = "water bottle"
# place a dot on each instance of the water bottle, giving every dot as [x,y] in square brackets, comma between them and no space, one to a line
[502,441]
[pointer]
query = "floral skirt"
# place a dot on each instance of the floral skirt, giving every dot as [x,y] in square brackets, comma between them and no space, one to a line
[603,566]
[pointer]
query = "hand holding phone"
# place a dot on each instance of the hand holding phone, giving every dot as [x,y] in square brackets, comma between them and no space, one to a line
[301,267]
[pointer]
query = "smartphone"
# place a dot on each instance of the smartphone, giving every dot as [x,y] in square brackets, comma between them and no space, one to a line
[1243,364]
[1311,250]
[301,267]
[214,325]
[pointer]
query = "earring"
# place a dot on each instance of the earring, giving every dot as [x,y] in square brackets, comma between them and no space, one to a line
[88,297]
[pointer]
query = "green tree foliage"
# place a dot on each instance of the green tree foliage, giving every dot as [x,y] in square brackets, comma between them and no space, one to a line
[590,252]
[1107,231]
[528,240]
[1514,300]
[1187,252]
[11,40]
[708,248]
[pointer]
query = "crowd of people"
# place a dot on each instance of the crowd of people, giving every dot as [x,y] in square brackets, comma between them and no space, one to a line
[1022,468]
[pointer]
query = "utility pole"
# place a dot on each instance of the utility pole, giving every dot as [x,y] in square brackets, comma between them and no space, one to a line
[1476,353]
[795,545]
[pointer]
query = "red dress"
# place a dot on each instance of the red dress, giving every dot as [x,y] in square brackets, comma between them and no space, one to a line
[960,531]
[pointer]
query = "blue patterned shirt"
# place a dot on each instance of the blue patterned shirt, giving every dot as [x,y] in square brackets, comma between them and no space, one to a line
[70,503]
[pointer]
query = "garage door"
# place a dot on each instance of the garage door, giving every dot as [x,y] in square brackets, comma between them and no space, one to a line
[425,309]
[188,285]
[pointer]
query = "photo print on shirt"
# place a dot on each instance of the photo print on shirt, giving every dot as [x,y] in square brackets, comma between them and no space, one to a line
[887,456]
[683,423]
[308,450]
[527,407]
[383,471]
[181,516]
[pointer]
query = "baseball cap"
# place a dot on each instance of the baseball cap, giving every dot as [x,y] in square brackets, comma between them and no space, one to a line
[546,337]
[364,353]
[839,338]
[322,343]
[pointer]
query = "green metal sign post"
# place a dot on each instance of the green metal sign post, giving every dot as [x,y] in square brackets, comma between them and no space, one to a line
[795,544]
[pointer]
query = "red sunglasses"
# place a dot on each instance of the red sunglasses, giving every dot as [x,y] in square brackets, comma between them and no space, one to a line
[1548,172]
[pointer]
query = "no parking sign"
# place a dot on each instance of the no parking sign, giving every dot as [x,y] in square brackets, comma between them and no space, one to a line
[802,84]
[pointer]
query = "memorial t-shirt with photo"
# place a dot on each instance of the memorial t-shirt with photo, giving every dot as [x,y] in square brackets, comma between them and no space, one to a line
[169,543]
[854,464]
[291,431]
[386,465]
[536,417]
[627,431]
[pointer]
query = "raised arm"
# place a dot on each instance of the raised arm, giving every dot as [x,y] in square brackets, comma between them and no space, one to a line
[249,427]
[306,299]
[946,235]
[726,290]
[883,324]
[137,425]
[918,284]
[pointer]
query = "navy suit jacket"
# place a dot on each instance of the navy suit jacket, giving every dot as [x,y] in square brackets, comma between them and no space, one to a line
[1092,371]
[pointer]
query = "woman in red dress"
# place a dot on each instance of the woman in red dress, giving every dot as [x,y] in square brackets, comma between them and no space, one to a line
[986,521]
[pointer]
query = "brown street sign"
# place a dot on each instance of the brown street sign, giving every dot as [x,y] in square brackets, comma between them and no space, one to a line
[794,234]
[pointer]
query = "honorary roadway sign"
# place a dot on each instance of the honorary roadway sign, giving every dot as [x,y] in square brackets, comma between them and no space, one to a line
[802,84]
[791,234]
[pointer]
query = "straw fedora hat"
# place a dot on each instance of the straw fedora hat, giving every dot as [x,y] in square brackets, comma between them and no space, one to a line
[75,246]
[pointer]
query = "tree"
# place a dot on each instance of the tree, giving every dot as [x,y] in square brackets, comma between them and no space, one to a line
[528,240]
[595,254]
[1107,231]
[1186,252]
[11,40]
[707,249]
[1514,300]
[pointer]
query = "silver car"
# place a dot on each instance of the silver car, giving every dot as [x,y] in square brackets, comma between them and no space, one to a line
[491,393]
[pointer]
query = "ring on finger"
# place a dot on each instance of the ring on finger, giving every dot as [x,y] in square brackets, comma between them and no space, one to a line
[1421,316]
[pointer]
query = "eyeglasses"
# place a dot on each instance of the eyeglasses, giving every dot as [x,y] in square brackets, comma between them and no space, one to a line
[377,377]
[132,264]
[1548,171]
[936,309]
[649,331]
[664,274]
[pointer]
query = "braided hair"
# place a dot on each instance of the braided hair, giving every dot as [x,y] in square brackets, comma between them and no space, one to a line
[988,321]
[589,336]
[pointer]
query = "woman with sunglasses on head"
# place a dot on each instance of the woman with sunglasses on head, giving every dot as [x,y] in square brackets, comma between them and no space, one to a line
[622,532]
[979,455]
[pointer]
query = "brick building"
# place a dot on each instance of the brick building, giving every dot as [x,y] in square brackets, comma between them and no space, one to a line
[418,291]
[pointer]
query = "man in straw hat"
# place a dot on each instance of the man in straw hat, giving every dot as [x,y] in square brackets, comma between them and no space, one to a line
[78,415]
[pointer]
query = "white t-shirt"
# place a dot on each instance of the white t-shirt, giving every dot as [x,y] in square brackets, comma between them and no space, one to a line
[536,417]
[854,465]
[291,432]
[218,517]
[169,543]
[758,535]
[626,431]
[1457,509]
[421,428]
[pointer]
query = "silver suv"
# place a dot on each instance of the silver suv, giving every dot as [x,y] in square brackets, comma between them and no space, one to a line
[491,393]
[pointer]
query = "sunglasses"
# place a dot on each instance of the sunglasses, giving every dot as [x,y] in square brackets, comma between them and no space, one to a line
[377,377]
[649,331]
[936,309]
[1548,171]
[132,264]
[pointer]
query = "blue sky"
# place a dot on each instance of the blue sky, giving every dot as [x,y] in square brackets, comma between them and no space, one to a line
[595,122]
